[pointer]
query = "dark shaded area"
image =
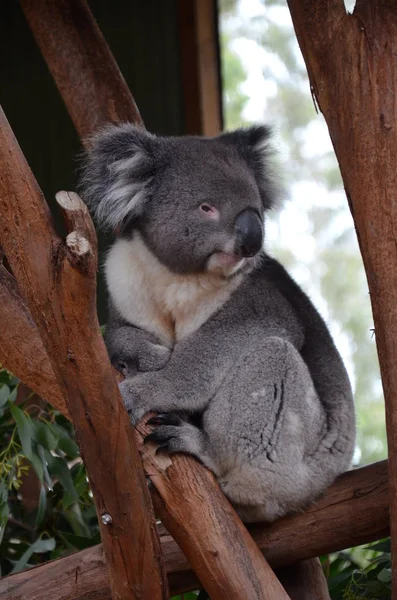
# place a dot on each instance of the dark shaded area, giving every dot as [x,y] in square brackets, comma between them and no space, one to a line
[143,37]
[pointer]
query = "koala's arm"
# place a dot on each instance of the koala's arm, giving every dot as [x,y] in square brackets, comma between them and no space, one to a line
[200,362]
[192,375]
[132,350]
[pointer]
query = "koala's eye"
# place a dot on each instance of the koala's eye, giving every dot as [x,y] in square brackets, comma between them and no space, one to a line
[209,211]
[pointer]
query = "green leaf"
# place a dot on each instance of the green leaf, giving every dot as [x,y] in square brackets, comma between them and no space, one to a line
[13,395]
[4,509]
[42,506]
[4,395]
[42,456]
[45,436]
[25,429]
[385,576]
[76,521]
[60,470]
[40,546]
[38,466]
[65,442]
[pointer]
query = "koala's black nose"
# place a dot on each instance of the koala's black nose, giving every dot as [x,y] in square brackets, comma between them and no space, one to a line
[249,233]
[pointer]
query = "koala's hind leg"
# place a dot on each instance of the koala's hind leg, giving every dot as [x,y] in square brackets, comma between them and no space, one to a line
[262,424]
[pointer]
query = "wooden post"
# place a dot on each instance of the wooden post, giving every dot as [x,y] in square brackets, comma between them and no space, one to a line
[200,66]
[353,512]
[58,281]
[351,62]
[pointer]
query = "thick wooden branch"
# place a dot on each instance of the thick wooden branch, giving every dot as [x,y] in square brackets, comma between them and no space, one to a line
[354,511]
[83,67]
[353,72]
[58,282]
[21,348]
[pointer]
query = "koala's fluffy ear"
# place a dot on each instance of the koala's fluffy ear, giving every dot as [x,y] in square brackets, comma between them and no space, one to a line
[116,171]
[254,146]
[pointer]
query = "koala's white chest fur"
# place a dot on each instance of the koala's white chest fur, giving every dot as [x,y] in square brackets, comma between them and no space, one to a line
[168,305]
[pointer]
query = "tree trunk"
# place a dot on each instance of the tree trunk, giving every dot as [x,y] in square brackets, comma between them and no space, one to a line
[351,61]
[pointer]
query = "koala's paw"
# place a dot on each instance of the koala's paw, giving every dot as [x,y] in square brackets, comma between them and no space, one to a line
[173,434]
[136,408]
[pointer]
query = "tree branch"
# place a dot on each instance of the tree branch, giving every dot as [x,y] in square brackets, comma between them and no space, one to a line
[58,281]
[21,350]
[83,67]
[354,511]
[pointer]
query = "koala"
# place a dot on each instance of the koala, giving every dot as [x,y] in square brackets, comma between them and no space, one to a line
[212,333]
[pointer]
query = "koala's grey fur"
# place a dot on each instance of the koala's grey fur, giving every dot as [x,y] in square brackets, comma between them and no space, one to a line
[253,386]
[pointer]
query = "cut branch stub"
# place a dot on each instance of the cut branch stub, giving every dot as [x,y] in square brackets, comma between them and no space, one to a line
[58,281]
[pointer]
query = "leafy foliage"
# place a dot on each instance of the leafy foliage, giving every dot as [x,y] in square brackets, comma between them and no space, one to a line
[360,573]
[46,507]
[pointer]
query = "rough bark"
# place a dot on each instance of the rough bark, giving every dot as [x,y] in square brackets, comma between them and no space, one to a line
[354,511]
[83,67]
[21,348]
[351,61]
[58,281]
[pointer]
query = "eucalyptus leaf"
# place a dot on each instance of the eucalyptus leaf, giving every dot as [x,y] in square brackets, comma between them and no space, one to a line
[42,506]
[40,546]
[59,470]
[37,466]
[25,429]
[65,442]
[385,575]
[45,436]
[5,393]
[42,455]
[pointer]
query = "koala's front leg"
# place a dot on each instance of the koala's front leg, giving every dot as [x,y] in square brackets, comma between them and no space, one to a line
[132,350]
[191,377]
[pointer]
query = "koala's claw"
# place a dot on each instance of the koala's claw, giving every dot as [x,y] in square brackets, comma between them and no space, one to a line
[165,419]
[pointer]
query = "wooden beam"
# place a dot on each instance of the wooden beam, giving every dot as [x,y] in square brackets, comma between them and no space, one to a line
[200,66]
[83,67]
[351,61]
[354,511]
[58,281]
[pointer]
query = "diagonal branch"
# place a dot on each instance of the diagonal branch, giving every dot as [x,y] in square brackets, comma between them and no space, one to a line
[58,281]
[21,348]
[83,67]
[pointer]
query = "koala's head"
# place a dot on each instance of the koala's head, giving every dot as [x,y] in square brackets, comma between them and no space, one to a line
[198,203]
